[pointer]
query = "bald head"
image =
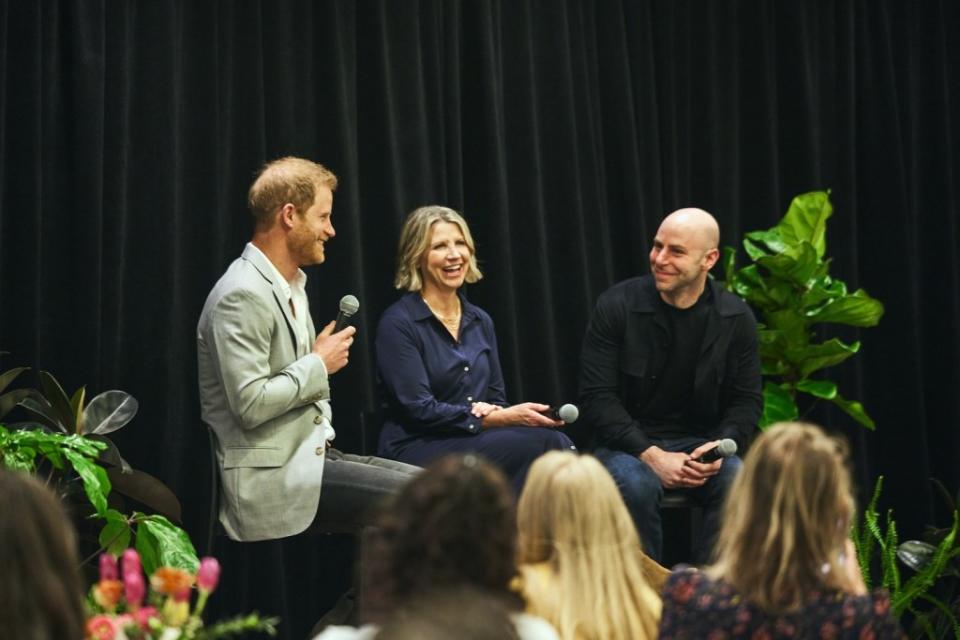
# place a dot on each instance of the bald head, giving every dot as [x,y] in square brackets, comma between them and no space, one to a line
[684,250]
[696,224]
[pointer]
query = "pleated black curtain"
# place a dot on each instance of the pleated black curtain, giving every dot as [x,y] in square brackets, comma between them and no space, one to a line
[564,131]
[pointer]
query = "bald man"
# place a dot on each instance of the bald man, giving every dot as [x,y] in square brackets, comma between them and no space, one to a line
[669,367]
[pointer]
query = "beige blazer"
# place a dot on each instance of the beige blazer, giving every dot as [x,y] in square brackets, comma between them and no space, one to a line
[266,402]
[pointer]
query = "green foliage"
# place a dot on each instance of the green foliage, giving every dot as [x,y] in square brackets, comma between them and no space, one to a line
[21,449]
[73,458]
[240,625]
[70,437]
[789,285]
[871,540]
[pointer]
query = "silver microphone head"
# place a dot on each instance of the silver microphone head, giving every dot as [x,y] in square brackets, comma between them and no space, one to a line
[349,305]
[727,448]
[569,413]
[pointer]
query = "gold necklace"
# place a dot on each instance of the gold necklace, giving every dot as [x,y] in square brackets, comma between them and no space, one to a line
[452,323]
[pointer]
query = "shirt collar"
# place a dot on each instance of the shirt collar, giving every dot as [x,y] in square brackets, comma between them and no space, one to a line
[299,284]
[419,310]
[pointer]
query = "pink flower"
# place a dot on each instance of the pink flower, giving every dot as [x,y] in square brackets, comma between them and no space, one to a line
[209,574]
[142,616]
[131,561]
[108,567]
[101,627]
[134,588]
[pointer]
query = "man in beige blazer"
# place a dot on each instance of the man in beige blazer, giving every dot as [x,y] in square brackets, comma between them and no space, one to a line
[265,373]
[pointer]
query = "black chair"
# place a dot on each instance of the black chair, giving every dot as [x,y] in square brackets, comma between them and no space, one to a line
[371,423]
[213,520]
[682,519]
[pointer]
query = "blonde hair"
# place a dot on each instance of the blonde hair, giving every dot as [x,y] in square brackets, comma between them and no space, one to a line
[572,518]
[786,518]
[415,240]
[290,179]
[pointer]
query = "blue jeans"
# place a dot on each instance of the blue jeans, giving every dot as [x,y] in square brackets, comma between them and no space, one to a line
[642,492]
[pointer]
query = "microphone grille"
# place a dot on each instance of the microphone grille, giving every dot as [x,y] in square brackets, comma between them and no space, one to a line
[727,447]
[349,305]
[568,413]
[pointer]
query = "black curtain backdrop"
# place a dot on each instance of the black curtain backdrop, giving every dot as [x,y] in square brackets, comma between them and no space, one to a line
[130,131]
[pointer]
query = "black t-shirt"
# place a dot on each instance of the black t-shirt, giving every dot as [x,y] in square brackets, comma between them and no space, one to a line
[670,412]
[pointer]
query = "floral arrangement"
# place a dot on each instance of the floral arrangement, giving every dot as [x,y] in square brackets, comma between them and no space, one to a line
[124,606]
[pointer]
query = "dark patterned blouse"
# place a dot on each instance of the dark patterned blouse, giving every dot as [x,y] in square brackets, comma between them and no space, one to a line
[695,606]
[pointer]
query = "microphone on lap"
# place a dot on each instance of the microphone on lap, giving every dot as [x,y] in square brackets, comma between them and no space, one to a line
[724,449]
[348,306]
[568,413]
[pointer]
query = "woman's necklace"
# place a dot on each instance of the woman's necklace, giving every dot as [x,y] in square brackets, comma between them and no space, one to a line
[451,322]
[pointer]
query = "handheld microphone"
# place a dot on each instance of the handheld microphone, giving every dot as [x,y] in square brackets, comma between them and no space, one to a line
[724,449]
[568,413]
[348,306]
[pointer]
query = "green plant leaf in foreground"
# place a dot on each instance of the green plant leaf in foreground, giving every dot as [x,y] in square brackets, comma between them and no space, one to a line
[95,482]
[163,544]
[855,410]
[114,538]
[778,405]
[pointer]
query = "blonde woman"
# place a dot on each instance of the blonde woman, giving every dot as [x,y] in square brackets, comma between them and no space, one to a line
[437,360]
[581,564]
[784,567]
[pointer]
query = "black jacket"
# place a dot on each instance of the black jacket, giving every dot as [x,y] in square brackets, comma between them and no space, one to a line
[626,347]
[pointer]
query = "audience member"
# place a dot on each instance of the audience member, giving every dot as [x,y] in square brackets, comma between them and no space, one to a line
[581,563]
[784,567]
[438,363]
[462,612]
[41,589]
[454,525]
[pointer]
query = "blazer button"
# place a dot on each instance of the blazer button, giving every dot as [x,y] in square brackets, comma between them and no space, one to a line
[319,451]
[317,419]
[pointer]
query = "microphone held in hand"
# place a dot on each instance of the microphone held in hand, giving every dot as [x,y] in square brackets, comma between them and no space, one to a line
[724,449]
[568,413]
[348,306]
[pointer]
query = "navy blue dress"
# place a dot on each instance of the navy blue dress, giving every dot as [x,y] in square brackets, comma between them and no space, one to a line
[428,382]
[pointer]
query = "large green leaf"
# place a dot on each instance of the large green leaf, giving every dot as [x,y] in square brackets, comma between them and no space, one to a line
[813,357]
[778,405]
[806,220]
[115,535]
[822,290]
[759,244]
[797,267]
[818,388]
[171,544]
[792,325]
[857,309]
[148,548]
[855,410]
[95,482]
[729,261]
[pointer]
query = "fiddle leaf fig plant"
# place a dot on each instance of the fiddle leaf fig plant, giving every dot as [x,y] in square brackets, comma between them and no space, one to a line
[788,283]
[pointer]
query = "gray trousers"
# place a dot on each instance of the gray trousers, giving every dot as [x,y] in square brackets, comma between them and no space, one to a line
[354,487]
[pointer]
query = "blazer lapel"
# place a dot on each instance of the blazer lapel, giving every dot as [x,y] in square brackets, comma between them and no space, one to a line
[258,260]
